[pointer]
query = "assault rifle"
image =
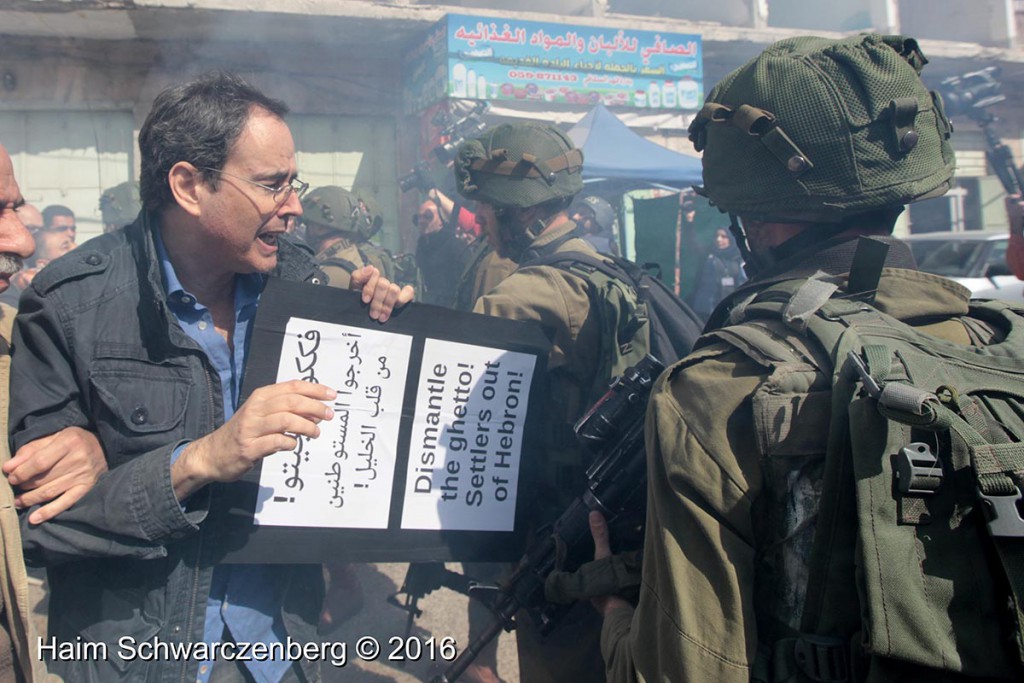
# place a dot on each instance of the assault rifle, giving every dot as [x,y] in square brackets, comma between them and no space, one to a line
[616,485]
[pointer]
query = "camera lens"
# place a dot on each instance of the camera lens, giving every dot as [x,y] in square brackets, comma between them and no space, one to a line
[971,91]
[448,151]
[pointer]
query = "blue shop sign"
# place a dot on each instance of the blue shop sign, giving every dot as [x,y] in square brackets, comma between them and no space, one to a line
[475,57]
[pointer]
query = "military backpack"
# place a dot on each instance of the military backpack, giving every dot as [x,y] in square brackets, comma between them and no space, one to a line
[637,310]
[400,269]
[920,498]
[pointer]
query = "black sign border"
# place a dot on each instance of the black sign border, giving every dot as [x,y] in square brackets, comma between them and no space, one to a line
[241,541]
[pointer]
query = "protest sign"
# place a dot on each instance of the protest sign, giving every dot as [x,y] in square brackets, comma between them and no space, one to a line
[430,444]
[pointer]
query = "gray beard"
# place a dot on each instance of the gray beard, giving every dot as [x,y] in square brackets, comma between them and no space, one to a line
[9,265]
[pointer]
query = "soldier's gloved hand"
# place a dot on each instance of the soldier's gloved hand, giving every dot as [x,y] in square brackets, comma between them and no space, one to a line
[600,580]
[613,575]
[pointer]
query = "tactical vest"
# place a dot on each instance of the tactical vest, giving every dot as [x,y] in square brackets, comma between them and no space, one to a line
[379,257]
[908,537]
[350,257]
[639,314]
[483,272]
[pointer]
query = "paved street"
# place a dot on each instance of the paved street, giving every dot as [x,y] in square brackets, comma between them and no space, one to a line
[444,616]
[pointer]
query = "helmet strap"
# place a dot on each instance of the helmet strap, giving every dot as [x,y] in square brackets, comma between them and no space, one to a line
[752,263]
[762,262]
[516,234]
[516,238]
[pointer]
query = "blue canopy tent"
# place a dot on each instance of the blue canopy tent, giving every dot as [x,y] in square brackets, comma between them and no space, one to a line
[612,151]
[617,160]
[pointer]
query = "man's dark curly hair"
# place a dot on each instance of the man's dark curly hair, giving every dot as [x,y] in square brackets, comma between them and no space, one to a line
[197,122]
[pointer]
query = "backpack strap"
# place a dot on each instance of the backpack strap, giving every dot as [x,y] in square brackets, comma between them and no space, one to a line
[339,262]
[533,255]
[763,332]
[999,472]
[866,269]
[619,305]
[585,265]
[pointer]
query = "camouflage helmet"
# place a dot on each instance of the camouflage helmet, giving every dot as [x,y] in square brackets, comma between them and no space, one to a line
[816,130]
[120,204]
[604,214]
[519,166]
[339,210]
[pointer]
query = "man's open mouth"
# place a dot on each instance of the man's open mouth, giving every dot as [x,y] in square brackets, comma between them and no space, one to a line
[269,238]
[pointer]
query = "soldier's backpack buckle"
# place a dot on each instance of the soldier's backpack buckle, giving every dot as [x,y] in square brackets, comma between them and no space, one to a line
[918,471]
[1003,514]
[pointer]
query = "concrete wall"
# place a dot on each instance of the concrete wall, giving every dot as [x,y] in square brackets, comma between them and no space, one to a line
[836,15]
[345,111]
[987,22]
[729,12]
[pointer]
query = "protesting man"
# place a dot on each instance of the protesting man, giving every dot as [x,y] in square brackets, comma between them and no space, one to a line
[141,336]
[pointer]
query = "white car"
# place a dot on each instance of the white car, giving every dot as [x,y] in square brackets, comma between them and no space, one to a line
[975,259]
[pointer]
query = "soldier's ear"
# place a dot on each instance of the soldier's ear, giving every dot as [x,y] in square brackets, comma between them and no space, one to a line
[187,186]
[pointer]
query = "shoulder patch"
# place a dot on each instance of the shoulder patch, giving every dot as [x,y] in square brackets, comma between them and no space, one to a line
[79,263]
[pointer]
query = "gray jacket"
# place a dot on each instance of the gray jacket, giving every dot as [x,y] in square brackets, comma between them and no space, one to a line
[96,346]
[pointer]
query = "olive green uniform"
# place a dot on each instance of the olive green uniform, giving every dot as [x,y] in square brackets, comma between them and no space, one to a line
[558,300]
[338,261]
[512,168]
[346,219]
[483,272]
[721,579]
[378,257]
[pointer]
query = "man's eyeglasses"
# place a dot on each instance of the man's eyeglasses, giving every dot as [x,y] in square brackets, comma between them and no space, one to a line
[294,185]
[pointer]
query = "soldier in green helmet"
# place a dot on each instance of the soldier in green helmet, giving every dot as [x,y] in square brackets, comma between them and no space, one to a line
[120,205]
[523,178]
[750,563]
[339,225]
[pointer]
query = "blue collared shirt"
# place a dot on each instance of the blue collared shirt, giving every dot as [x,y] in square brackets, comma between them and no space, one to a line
[245,599]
